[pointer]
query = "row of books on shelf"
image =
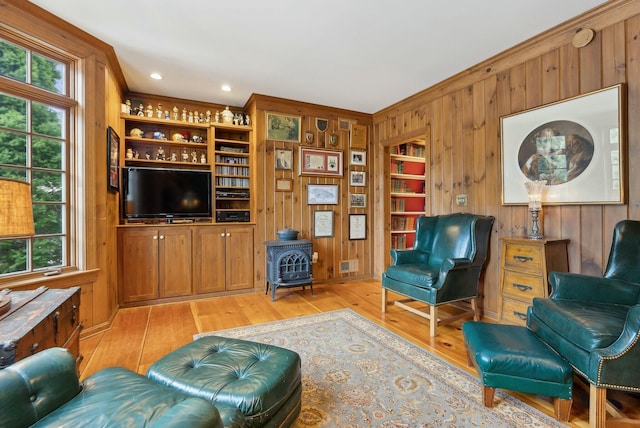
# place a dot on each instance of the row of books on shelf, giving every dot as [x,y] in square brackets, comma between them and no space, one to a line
[408,149]
[397,167]
[232,159]
[403,223]
[398,241]
[397,205]
[232,182]
[232,170]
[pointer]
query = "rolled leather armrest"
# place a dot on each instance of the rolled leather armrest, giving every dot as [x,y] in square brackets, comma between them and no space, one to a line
[34,387]
[403,257]
[452,264]
[573,286]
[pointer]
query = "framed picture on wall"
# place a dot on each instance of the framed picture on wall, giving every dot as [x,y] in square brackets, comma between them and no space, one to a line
[323,224]
[113,158]
[322,194]
[320,162]
[357,227]
[358,158]
[357,178]
[283,127]
[357,200]
[576,146]
[284,159]
[358,137]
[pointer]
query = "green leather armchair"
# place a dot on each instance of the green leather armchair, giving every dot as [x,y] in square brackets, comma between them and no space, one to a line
[443,267]
[44,390]
[594,322]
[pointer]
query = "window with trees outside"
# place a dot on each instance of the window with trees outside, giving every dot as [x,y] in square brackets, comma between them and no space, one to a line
[35,116]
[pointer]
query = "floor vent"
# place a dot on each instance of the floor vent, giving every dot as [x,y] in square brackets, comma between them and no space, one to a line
[348,266]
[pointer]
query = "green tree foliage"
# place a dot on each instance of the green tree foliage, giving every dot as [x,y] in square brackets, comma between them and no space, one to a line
[45,155]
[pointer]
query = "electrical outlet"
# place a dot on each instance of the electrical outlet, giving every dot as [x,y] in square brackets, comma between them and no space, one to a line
[461,200]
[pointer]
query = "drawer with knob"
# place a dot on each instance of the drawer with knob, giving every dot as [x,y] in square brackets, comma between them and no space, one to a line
[525,267]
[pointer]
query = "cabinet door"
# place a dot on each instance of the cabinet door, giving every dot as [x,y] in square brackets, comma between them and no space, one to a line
[138,264]
[239,260]
[209,259]
[175,261]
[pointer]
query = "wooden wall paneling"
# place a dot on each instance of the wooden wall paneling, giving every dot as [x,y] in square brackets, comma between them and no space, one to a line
[591,241]
[518,102]
[633,111]
[450,112]
[488,114]
[436,187]
[613,72]
[463,181]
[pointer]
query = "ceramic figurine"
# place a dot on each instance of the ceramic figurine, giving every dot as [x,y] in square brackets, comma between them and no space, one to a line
[203,158]
[149,110]
[227,115]
[166,114]
[201,117]
[159,111]
[184,115]
[160,153]
[174,157]
[126,107]
[175,113]
[147,155]
[129,153]
[194,156]
[217,117]
[208,116]
[185,155]
[247,120]
[140,110]
[190,120]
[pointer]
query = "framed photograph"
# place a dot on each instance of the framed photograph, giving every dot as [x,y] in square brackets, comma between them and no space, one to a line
[358,158]
[320,162]
[284,185]
[357,178]
[357,200]
[323,224]
[284,159]
[113,159]
[575,145]
[322,194]
[283,127]
[357,227]
[358,137]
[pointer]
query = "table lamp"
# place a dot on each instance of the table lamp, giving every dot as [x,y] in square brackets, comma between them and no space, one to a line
[16,218]
[534,190]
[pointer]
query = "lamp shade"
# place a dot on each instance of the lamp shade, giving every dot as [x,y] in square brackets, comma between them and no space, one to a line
[16,212]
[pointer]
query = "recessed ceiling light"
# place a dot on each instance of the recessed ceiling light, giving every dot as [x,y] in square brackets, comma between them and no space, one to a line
[226,88]
[156,76]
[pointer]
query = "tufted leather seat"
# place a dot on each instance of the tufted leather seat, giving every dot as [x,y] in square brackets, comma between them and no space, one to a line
[250,383]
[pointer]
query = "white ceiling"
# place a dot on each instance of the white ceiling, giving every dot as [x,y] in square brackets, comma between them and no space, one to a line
[361,55]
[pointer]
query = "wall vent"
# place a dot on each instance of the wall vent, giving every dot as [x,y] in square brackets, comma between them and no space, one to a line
[348,266]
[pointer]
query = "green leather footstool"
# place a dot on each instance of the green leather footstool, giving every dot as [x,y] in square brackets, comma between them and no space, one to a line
[252,384]
[512,357]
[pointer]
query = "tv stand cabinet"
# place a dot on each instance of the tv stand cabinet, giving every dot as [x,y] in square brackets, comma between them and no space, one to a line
[159,263]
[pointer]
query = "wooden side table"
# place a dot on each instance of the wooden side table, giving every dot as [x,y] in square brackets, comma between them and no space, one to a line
[524,272]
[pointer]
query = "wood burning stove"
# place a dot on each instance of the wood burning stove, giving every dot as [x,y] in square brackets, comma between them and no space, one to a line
[288,265]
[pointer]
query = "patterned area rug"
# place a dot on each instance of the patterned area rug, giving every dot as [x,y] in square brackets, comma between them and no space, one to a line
[356,373]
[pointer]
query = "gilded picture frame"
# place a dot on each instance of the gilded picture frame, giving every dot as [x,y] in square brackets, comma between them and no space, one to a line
[283,127]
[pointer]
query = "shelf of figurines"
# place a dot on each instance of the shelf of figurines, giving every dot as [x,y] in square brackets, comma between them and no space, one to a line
[176,154]
[188,118]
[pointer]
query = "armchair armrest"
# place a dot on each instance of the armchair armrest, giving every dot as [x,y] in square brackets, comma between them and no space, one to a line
[453,264]
[618,363]
[572,286]
[403,257]
[50,375]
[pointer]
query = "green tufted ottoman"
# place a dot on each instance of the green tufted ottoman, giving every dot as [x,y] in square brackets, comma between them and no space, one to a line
[512,357]
[251,384]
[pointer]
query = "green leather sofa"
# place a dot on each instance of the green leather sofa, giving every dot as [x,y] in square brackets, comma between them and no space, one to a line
[594,322]
[44,391]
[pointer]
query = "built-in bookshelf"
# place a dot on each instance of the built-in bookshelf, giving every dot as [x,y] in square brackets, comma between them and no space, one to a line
[407,195]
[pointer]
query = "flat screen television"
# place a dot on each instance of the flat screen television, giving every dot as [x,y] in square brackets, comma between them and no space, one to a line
[153,193]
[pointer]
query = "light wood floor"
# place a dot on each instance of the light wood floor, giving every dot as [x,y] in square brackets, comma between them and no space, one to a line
[139,336]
